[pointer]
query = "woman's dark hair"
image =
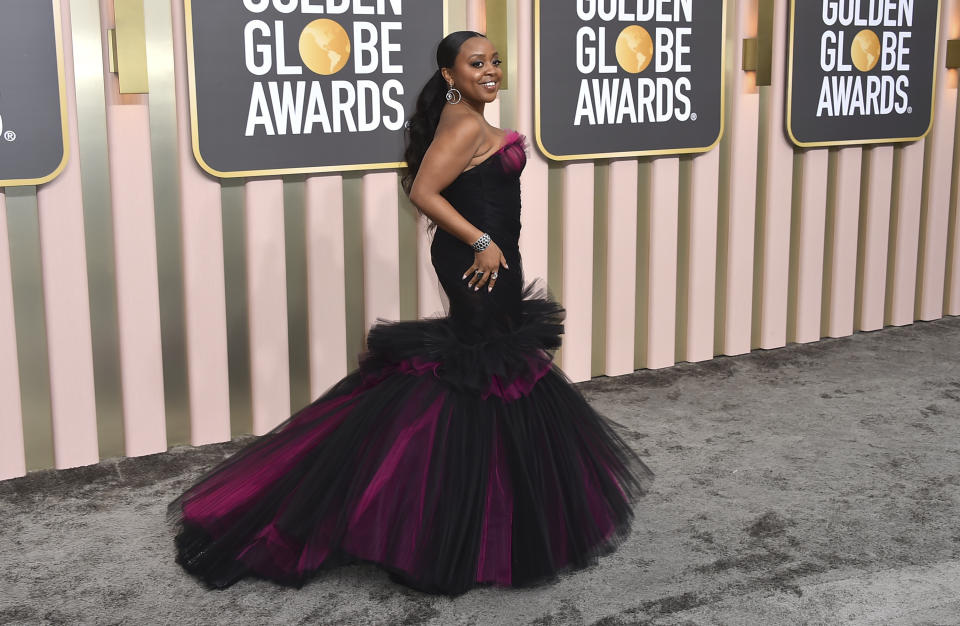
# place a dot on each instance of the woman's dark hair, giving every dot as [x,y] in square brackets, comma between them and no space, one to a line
[423,124]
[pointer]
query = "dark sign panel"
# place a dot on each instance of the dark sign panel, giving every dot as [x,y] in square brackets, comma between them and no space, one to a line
[33,102]
[861,71]
[285,86]
[628,77]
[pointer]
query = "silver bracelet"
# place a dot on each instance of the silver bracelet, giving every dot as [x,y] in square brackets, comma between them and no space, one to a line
[481,244]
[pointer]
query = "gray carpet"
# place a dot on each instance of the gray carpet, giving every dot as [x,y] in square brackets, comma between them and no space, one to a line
[815,484]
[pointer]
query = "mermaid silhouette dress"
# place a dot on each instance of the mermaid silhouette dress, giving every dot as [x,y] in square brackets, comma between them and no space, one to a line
[457,454]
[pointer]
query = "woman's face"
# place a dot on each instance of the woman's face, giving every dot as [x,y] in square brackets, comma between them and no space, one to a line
[476,71]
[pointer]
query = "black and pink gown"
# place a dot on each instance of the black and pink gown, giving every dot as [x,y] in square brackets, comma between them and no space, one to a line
[457,454]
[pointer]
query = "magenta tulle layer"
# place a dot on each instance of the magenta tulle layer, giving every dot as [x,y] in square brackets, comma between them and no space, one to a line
[449,465]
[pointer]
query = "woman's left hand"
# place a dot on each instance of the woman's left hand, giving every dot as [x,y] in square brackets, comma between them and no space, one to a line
[485,267]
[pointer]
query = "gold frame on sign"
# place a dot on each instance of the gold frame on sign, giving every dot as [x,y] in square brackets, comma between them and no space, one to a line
[195,140]
[64,116]
[856,142]
[629,153]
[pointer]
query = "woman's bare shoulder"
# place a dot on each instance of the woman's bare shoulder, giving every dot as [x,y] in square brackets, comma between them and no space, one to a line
[460,127]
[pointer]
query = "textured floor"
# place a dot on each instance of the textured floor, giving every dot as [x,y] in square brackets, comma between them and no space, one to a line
[815,484]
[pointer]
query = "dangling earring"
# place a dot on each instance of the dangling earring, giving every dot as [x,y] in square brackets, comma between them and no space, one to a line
[453,95]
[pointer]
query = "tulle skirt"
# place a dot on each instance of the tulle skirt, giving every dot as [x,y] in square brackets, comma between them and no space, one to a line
[448,464]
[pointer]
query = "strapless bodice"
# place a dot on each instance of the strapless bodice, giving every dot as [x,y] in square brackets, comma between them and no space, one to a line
[488,194]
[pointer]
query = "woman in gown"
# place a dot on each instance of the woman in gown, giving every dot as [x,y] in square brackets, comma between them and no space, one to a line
[457,454]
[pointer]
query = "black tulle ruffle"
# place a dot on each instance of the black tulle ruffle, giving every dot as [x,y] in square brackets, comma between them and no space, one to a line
[448,464]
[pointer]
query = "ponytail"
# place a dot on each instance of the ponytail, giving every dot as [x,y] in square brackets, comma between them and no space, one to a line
[422,125]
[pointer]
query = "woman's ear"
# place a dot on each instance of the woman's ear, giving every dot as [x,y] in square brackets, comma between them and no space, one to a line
[445,72]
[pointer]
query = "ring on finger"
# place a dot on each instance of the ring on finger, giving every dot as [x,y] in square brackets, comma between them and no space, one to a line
[493,276]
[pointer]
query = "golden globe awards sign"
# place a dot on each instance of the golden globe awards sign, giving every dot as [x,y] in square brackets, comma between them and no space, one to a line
[628,77]
[33,102]
[861,71]
[287,86]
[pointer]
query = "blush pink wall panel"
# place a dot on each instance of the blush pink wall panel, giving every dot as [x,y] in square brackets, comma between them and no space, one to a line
[135,254]
[904,238]
[952,294]
[661,253]
[701,263]
[267,303]
[874,232]
[12,458]
[810,232]
[381,247]
[841,276]
[577,269]
[621,266]
[773,256]
[737,235]
[203,272]
[533,189]
[326,288]
[66,300]
[933,253]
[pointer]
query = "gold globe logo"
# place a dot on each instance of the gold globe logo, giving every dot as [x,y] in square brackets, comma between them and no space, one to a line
[865,50]
[324,46]
[634,49]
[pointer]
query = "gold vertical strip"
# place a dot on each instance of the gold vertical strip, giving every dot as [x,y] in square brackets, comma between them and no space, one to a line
[892,230]
[796,226]
[555,237]
[765,13]
[409,282]
[232,205]
[98,224]
[23,227]
[295,246]
[508,98]
[497,33]
[862,232]
[166,202]
[684,208]
[642,264]
[763,151]
[598,342]
[353,265]
[949,297]
[829,241]
[131,43]
[456,15]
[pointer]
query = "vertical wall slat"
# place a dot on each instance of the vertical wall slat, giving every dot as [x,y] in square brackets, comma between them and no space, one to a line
[578,269]
[69,344]
[91,149]
[697,273]
[381,250]
[952,294]
[774,198]
[205,318]
[621,266]
[135,245]
[904,235]
[661,253]
[295,244]
[738,190]
[534,181]
[807,249]
[877,173]
[840,253]
[267,303]
[938,165]
[23,231]
[327,308]
[12,459]
[158,32]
